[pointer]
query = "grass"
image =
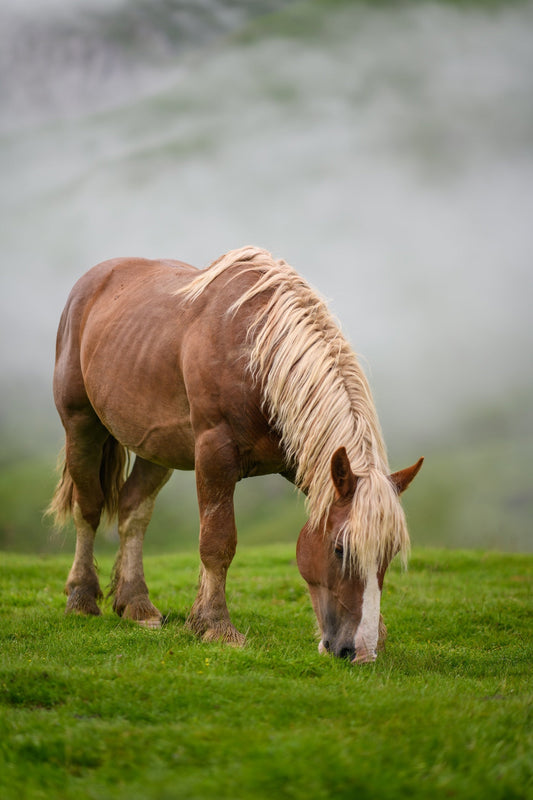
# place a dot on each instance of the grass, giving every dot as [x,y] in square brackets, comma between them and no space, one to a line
[99,708]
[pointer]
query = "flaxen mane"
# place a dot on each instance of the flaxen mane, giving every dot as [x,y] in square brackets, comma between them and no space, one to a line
[318,399]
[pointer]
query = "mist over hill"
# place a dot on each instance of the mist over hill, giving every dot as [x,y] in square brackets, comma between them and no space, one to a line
[384,150]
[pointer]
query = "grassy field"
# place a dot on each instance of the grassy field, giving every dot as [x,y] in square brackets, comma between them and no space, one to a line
[99,708]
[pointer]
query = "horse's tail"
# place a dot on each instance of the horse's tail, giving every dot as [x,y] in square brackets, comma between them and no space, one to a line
[60,506]
[113,468]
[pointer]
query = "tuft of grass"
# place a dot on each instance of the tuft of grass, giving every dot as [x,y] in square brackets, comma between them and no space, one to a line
[99,707]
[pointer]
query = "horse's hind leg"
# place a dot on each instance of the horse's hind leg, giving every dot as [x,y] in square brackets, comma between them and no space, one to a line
[136,503]
[85,437]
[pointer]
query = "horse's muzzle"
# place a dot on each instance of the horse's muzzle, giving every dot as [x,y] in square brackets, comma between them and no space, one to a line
[344,652]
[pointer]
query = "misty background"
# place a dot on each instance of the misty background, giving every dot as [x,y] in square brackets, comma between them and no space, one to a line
[385,150]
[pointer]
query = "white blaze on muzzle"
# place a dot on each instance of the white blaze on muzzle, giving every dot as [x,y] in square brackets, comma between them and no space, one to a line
[367,634]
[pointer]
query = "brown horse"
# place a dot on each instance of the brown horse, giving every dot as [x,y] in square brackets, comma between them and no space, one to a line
[232,371]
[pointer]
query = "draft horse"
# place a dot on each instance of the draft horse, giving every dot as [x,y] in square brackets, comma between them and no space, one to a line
[231,371]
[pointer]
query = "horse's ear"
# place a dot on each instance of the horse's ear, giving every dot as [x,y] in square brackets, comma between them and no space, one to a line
[403,478]
[341,473]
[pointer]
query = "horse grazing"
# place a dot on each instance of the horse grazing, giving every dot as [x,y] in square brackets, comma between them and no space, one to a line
[232,371]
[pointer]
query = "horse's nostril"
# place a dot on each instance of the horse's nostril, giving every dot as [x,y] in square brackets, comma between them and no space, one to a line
[326,645]
[347,652]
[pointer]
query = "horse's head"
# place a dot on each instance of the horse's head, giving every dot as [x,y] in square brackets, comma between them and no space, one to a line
[346,603]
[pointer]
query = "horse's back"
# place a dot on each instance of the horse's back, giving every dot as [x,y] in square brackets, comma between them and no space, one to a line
[114,289]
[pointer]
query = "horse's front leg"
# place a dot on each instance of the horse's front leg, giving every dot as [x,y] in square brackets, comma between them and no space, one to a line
[216,475]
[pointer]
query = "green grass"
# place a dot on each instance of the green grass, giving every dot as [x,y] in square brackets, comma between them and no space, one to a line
[99,708]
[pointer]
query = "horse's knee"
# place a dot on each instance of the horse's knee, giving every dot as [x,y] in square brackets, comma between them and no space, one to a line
[88,508]
[139,492]
[218,547]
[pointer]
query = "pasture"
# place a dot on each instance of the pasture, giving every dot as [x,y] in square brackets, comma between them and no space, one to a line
[100,708]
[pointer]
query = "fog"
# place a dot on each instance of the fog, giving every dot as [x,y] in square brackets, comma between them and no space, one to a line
[385,152]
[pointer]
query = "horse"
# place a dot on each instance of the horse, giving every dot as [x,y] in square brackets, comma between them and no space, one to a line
[232,371]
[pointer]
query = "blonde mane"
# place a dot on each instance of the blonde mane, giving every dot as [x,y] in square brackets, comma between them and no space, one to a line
[318,399]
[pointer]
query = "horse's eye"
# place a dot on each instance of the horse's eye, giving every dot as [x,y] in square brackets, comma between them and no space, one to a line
[339,551]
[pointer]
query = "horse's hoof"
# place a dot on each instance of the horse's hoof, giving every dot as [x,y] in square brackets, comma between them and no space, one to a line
[143,612]
[225,633]
[154,623]
[209,630]
[82,601]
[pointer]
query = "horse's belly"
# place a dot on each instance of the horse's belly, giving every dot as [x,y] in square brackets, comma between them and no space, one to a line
[138,393]
[169,449]
[155,428]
